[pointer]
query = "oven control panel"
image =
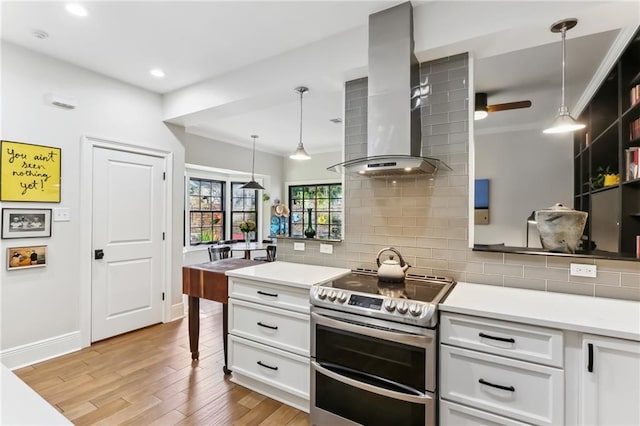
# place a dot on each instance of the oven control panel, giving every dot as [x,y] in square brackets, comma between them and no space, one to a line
[396,309]
[365,302]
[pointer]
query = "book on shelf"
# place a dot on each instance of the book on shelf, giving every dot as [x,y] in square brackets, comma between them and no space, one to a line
[632,162]
[635,94]
[634,129]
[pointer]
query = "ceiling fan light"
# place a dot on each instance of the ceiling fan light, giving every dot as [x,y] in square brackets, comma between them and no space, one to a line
[480,114]
[564,123]
[480,111]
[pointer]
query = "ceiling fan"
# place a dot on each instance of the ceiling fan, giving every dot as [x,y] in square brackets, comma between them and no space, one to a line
[482,109]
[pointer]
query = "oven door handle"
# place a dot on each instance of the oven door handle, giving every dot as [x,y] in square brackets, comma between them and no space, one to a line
[415,399]
[393,336]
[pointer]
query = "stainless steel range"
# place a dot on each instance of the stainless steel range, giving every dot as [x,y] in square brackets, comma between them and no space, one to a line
[373,349]
[413,301]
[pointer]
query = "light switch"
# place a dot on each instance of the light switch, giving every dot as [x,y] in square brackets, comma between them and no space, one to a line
[61,215]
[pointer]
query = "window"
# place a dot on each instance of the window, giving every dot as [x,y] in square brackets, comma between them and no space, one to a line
[243,207]
[206,210]
[325,202]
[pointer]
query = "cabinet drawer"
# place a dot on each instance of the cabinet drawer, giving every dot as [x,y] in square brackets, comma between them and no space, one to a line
[520,341]
[280,369]
[272,326]
[292,298]
[524,391]
[459,415]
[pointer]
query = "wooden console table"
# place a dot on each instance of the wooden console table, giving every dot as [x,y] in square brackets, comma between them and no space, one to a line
[208,281]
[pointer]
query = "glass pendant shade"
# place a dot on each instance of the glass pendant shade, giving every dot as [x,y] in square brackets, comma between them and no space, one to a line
[252,184]
[300,153]
[563,123]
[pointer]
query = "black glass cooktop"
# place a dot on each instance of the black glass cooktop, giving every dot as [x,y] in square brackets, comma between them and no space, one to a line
[422,288]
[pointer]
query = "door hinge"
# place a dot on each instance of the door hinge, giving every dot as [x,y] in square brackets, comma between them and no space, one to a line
[163,295]
[164,175]
[163,236]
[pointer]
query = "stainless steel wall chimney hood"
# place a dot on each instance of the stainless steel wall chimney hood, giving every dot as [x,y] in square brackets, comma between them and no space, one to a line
[394,137]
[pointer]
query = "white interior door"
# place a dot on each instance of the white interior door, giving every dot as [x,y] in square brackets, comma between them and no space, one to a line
[128,211]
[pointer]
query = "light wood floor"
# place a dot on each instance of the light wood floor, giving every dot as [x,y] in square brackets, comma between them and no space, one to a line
[146,377]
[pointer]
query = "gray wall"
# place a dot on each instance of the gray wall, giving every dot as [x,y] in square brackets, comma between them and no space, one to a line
[428,220]
[527,171]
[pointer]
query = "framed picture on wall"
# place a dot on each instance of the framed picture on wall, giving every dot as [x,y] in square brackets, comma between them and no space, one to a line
[26,257]
[29,172]
[26,223]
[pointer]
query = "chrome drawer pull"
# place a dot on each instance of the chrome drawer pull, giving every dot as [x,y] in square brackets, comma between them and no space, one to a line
[500,339]
[272,327]
[261,364]
[267,294]
[507,388]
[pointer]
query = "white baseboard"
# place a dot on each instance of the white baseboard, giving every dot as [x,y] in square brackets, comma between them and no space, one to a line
[43,350]
[177,311]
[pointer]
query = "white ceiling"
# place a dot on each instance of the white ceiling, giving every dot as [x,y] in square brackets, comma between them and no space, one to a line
[232,66]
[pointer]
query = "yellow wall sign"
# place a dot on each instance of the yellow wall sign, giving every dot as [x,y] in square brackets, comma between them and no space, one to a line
[29,172]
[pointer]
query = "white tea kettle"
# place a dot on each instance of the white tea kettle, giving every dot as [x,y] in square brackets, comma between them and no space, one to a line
[391,270]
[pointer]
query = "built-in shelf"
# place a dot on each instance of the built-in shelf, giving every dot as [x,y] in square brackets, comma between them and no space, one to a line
[321,240]
[608,116]
[595,254]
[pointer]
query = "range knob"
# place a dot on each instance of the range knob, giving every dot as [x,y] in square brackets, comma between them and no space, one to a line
[402,307]
[415,310]
[332,295]
[390,305]
[342,297]
[322,294]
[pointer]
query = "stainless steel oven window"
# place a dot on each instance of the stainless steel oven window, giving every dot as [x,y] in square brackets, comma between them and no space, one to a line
[402,355]
[339,401]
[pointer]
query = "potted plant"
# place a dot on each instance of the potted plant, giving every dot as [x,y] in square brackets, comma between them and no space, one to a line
[603,177]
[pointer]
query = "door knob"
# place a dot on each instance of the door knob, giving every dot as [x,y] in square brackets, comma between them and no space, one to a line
[99,254]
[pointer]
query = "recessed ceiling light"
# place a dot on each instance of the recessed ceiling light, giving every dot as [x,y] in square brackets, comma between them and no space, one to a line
[156,72]
[77,9]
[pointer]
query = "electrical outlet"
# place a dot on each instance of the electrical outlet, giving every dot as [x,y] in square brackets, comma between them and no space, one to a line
[298,246]
[326,248]
[582,270]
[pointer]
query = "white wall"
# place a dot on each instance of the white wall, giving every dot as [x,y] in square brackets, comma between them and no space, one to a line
[527,171]
[313,170]
[41,306]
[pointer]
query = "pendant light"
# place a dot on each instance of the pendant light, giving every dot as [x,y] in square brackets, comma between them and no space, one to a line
[300,153]
[252,184]
[564,122]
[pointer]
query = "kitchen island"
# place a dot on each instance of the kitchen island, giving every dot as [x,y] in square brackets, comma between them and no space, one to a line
[208,281]
[269,327]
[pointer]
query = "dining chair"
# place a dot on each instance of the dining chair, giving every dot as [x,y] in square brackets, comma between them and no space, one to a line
[271,254]
[218,252]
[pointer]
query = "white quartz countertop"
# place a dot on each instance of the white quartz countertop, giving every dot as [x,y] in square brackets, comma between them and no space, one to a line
[287,273]
[21,405]
[585,314]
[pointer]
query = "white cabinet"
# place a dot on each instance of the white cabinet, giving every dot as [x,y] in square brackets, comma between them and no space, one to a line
[610,381]
[486,365]
[269,339]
